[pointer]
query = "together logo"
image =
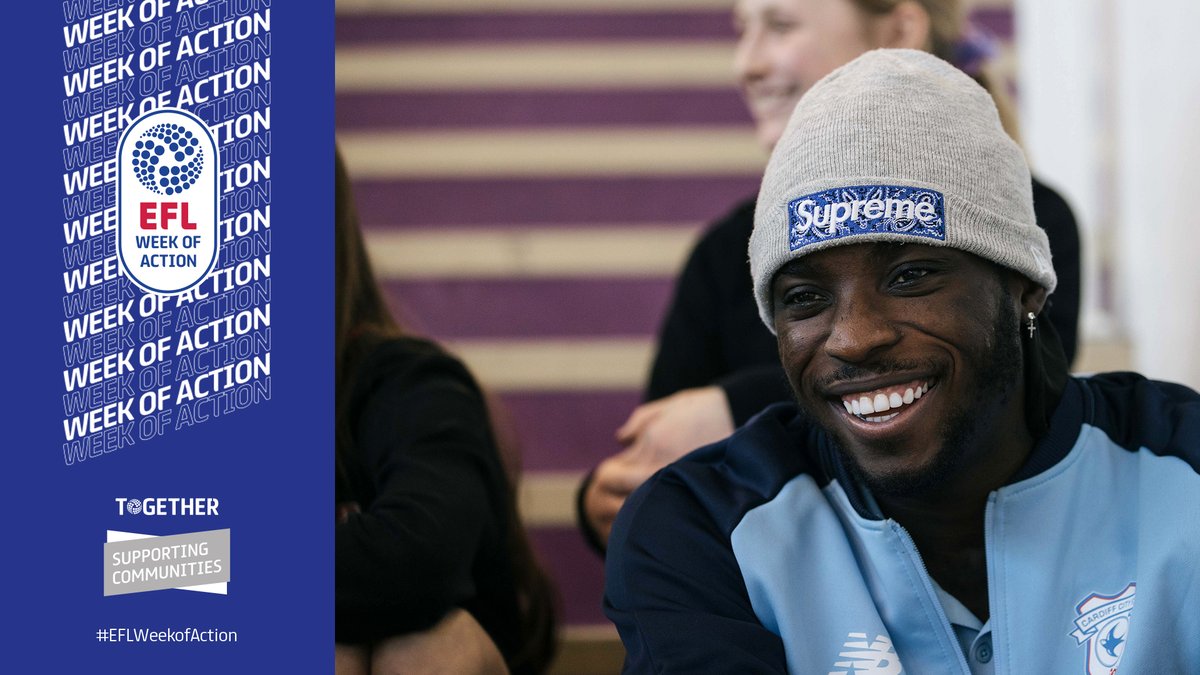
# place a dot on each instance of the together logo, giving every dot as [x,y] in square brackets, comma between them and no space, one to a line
[167,201]
[168,506]
[866,209]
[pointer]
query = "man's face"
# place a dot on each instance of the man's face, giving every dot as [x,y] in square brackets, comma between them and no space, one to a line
[909,355]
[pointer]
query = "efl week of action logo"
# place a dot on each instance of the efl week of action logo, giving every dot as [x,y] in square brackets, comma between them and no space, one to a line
[167,201]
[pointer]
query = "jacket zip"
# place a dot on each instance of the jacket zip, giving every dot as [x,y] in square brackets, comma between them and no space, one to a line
[930,594]
[993,581]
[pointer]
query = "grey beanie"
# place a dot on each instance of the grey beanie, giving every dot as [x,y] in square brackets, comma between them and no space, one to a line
[896,145]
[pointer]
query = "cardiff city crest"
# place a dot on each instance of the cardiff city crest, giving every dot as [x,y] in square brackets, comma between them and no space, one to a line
[1103,625]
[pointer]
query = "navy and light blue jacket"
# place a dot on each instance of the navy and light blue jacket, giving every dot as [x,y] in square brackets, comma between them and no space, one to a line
[761,554]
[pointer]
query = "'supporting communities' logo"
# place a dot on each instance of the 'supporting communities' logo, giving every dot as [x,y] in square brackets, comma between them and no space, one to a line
[1103,625]
[866,209]
[167,201]
[136,562]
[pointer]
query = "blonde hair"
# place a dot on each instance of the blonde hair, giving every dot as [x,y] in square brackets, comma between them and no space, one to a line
[946,20]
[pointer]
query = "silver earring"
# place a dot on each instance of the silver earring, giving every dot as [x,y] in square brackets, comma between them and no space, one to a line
[1031,323]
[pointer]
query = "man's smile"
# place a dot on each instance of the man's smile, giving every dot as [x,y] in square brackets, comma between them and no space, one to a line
[882,404]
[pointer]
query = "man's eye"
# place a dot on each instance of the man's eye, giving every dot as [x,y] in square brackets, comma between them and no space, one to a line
[910,275]
[801,297]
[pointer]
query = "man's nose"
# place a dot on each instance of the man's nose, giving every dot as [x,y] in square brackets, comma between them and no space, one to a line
[861,329]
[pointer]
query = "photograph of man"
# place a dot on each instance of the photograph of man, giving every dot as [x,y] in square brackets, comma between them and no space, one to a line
[942,497]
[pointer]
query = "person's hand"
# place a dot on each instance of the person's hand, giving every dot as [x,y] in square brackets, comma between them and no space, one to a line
[457,645]
[351,659]
[344,509]
[656,434]
[612,481]
[662,431]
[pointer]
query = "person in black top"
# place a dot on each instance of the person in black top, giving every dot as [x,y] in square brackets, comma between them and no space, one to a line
[432,564]
[716,364]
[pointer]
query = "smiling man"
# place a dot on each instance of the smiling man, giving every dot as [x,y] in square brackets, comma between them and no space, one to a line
[942,498]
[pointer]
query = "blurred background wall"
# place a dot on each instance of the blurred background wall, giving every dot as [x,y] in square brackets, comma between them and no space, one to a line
[1110,105]
[532,173]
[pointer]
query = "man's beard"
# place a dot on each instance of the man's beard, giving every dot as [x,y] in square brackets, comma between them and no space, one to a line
[962,429]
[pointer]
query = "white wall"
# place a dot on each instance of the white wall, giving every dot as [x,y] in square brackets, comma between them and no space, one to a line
[1110,107]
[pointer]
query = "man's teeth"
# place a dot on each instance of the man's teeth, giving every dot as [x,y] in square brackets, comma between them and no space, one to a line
[864,405]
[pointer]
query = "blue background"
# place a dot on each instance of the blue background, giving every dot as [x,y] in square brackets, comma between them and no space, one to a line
[269,465]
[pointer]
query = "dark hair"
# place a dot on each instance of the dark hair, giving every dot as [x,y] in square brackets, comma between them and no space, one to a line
[1043,361]
[362,321]
[359,304]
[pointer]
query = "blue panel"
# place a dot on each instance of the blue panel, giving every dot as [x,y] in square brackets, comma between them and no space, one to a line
[267,464]
[858,210]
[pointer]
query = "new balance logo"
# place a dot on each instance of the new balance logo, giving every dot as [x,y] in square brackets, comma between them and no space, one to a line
[868,658]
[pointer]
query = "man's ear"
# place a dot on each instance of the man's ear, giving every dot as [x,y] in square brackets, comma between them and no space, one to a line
[1032,294]
[906,27]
